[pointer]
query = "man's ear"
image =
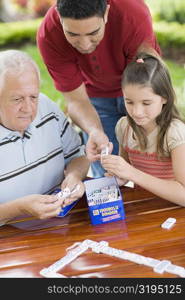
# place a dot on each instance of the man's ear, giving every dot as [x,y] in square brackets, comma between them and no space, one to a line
[59,15]
[106,13]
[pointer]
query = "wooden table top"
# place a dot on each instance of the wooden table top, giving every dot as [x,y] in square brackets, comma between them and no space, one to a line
[28,245]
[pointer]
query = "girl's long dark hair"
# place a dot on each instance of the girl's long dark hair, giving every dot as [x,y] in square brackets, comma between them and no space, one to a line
[153,73]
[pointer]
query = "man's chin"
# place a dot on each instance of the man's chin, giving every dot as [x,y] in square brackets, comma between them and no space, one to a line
[86,51]
[24,125]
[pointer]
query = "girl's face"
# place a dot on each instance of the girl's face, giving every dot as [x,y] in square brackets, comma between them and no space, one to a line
[142,105]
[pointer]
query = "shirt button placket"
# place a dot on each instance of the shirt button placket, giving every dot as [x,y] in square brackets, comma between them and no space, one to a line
[96,66]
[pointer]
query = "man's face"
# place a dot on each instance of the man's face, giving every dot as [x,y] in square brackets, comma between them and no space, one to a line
[19,99]
[86,34]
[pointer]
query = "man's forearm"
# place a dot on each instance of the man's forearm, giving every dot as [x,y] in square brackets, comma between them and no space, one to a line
[81,111]
[78,167]
[84,116]
[9,210]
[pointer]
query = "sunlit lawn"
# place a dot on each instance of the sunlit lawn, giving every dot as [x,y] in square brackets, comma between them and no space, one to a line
[177,73]
[47,85]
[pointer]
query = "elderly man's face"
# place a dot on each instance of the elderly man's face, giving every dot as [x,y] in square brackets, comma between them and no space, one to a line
[19,99]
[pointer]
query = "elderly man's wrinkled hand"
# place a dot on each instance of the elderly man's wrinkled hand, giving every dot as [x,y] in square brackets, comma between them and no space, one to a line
[76,188]
[40,206]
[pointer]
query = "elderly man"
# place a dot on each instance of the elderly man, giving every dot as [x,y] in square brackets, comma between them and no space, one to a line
[86,45]
[37,144]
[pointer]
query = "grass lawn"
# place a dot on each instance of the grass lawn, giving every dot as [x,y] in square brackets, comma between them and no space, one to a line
[177,73]
[47,86]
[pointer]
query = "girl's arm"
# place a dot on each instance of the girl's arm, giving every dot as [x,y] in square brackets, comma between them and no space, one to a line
[171,190]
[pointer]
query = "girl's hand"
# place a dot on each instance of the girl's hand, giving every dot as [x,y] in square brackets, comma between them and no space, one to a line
[117,166]
[119,180]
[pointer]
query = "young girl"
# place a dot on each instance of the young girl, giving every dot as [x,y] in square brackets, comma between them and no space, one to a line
[152,135]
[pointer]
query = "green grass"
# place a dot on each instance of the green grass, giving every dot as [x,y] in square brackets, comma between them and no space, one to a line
[47,86]
[168,10]
[177,73]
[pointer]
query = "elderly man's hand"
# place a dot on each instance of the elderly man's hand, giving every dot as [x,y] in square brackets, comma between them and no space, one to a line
[40,206]
[96,142]
[76,188]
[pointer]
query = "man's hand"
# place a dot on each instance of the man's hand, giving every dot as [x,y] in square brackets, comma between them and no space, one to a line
[76,187]
[96,142]
[40,206]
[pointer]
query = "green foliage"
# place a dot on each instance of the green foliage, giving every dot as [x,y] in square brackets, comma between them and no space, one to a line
[47,85]
[170,34]
[18,32]
[38,8]
[178,79]
[168,10]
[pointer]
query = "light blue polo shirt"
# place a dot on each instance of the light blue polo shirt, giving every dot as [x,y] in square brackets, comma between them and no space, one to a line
[34,163]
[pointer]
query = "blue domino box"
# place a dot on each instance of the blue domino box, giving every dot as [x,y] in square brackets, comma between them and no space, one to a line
[107,207]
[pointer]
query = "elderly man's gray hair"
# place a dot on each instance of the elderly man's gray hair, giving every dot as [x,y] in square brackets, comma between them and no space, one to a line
[15,61]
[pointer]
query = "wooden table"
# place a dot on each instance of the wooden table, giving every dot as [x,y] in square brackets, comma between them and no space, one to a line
[28,245]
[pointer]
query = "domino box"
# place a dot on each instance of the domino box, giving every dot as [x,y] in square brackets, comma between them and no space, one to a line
[104,200]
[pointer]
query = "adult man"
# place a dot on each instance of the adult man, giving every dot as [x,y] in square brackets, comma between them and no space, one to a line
[36,144]
[86,45]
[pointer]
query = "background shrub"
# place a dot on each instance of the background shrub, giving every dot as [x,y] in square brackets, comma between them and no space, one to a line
[168,10]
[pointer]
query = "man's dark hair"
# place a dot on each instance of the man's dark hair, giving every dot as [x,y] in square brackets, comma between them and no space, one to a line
[81,9]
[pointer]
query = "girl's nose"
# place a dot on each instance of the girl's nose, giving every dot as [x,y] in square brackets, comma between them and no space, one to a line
[137,111]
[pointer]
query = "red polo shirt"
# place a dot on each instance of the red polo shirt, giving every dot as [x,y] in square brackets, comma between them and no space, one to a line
[129,24]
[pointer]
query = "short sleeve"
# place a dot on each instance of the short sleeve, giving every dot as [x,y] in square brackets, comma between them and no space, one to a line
[176,134]
[120,129]
[58,55]
[71,141]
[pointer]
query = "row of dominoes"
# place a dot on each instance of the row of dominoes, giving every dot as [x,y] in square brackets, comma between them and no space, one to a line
[51,271]
[158,266]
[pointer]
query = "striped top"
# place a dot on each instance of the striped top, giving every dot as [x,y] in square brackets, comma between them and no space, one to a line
[34,163]
[148,161]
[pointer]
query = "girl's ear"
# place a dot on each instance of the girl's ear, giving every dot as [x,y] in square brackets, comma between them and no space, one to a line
[164,101]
